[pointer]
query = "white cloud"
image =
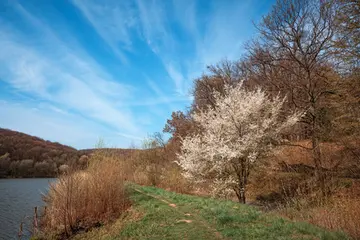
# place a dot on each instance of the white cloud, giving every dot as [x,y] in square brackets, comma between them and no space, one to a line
[159,93]
[39,75]
[177,76]
[130,136]
[52,125]
[218,37]
[52,66]
[225,31]
[67,78]
[153,22]
[212,37]
[113,20]
[155,25]
[118,21]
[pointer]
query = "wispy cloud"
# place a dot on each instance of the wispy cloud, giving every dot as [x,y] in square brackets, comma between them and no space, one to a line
[162,97]
[154,22]
[177,77]
[114,21]
[51,125]
[67,78]
[155,50]
[34,73]
[171,27]
[130,136]
[118,22]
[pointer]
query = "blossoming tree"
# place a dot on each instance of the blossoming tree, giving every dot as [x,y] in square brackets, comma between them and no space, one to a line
[236,132]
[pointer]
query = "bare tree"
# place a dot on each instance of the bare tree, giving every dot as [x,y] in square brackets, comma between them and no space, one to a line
[225,72]
[347,40]
[294,55]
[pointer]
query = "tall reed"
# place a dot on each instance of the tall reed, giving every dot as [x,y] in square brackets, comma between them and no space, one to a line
[80,200]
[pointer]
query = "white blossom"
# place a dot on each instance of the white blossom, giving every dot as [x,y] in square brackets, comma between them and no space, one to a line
[239,129]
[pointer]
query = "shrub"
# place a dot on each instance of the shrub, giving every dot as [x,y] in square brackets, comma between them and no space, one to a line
[173,180]
[84,199]
[64,168]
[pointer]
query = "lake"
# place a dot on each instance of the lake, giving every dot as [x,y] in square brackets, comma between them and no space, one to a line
[18,197]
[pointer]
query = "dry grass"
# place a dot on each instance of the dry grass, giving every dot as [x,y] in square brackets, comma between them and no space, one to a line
[173,180]
[297,196]
[295,193]
[343,214]
[96,195]
[342,211]
[334,154]
[110,231]
[84,199]
[81,200]
[156,167]
[298,201]
[166,176]
[340,214]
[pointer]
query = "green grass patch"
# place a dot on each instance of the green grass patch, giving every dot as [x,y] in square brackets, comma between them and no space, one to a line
[159,214]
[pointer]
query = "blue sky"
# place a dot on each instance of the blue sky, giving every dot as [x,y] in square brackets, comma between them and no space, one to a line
[76,71]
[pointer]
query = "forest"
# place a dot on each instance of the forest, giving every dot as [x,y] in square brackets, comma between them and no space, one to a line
[306,53]
[22,155]
[236,136]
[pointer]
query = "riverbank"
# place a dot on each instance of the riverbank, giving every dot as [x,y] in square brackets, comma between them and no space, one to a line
[159,214]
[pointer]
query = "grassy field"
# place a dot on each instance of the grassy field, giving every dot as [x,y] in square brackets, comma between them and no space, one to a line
[158,214]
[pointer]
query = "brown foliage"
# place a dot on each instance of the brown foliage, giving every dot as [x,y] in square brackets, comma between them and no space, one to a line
[347,42]
[179,125]
[341,212]
[297,55]
[81,200]
[287,185]
[225,72]
[29,156]
[341,215]
[154,165]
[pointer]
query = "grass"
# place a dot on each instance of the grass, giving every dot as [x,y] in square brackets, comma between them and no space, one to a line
[159,214]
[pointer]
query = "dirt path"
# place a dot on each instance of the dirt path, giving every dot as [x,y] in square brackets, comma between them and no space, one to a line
[183,213]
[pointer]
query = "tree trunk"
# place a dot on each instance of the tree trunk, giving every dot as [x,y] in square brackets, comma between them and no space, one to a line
[242,195]
[316,152]
[241,169]
[316,155]
[243,181]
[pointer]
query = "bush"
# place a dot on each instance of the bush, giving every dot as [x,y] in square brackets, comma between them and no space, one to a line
[85,199]
[173,180]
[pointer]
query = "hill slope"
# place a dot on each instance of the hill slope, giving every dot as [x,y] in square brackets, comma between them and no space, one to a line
[22,155]
[158,214]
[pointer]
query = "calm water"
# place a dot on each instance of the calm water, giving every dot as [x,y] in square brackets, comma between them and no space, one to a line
[18,197]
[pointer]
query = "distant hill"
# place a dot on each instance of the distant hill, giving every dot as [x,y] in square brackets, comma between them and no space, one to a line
[110,151]
[22,155]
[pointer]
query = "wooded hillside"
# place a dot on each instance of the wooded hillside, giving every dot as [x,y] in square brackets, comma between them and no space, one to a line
[22,155]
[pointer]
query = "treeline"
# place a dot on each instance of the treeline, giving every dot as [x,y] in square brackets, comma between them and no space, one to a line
[306,51]
[22,155]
